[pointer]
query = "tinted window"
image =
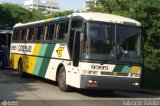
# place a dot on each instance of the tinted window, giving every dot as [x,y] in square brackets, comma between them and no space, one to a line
[76,24]
[50,32]
[40,33]
[31,33]
[16,34]
[98,43]
[128,43]
[23,34]
[63,29]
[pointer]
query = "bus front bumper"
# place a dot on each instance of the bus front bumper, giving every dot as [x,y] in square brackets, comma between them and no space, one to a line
[106,82]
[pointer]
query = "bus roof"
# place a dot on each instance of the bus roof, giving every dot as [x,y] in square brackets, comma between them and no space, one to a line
[95,16]
[6,31]
[107,18]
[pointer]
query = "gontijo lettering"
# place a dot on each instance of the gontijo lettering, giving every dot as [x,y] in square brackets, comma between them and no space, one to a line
[13,47]
[24,48]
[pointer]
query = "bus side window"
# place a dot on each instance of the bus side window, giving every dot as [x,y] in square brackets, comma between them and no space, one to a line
[23,34]
[31,34]
[62,30]
[16,34]
[76,24]
[40,33]
[20,34]
[50,32]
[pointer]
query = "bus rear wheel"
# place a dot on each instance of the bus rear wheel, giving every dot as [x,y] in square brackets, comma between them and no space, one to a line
[20,69]
[1,64]
[62,81]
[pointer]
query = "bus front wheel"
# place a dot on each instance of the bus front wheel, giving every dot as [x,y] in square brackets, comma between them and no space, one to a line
[62,80]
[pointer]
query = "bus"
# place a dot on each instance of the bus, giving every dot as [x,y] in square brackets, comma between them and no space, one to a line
[5,40]
[87,50]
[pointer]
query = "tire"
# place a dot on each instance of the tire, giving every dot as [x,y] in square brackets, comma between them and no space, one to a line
[1,64]
[20,69]
[62,81]
[109,91]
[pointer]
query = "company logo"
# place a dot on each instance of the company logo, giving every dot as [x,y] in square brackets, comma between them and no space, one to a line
[9,103]
[4,102]
[59,51]
[13,47]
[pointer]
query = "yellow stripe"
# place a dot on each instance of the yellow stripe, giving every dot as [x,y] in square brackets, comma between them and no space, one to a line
[32,59]
[134,69]
[14,58]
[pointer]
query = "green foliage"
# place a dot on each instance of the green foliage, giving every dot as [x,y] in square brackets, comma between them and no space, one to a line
[148,13]
[151,79]
[13,13]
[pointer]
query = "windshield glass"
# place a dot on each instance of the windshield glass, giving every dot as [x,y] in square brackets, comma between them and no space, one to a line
[99,41]
[128,43]
[102,43]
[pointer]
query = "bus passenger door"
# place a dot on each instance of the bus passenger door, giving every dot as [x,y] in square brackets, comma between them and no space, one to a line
[73,78]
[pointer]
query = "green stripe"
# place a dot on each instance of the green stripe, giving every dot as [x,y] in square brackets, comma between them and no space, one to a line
[43,49]
[49,50]
[118,68]
[46,61]
[37,66]
[40,60]
[126,69]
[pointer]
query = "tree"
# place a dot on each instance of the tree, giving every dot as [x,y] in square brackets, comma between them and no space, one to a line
[13,13]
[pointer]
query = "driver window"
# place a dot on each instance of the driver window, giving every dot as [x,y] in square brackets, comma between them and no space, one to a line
[75,24]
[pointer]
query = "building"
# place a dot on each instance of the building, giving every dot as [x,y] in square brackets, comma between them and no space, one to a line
[41,4]
[89,3]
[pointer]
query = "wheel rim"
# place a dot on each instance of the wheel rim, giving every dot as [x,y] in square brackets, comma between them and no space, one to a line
[62,79]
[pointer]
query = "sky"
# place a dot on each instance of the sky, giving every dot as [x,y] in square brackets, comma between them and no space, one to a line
[63,4]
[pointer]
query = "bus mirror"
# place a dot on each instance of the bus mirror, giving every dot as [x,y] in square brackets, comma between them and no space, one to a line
[81,37]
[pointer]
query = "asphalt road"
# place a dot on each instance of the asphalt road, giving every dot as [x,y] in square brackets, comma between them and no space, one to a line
[34,91]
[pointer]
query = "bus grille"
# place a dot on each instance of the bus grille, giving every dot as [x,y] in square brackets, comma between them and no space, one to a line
[113,73]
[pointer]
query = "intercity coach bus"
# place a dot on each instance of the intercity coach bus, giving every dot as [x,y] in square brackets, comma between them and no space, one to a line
[82,50]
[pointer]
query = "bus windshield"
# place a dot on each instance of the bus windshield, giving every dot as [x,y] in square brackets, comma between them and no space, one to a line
[111,42]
